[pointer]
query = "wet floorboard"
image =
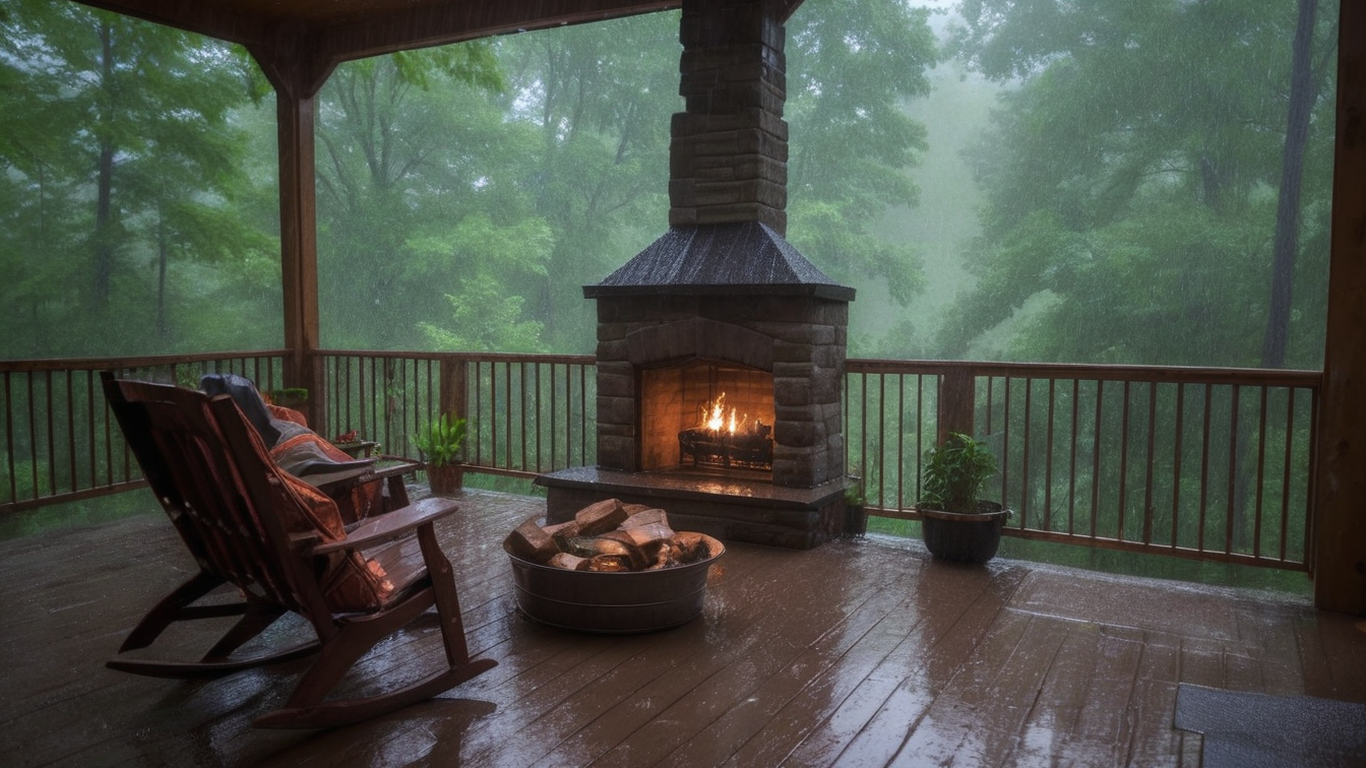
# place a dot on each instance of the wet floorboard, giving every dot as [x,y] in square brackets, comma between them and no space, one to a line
[859,653]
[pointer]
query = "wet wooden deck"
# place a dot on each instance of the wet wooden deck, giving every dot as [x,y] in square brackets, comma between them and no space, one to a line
[863,652]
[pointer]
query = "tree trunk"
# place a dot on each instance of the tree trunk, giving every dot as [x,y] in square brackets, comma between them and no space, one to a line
[104,172]
[162,256]
[1285,243]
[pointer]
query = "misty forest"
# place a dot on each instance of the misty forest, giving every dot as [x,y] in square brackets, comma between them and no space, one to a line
[1101,181]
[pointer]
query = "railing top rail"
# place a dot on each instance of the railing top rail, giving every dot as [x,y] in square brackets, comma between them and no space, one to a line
[130,361]
[1084,371]
[1091,371]
[477,357]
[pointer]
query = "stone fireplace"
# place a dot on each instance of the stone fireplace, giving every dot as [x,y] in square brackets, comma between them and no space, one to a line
[722,303]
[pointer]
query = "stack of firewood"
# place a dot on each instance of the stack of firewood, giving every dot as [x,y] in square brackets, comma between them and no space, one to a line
[608,536]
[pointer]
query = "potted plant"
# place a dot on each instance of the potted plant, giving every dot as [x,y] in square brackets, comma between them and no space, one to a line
[439,445]
[957,525]
[855,516]
[290,397]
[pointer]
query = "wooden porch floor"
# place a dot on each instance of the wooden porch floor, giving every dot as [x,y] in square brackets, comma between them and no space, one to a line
[862,652]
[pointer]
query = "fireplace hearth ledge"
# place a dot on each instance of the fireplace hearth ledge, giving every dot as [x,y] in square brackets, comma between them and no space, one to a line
[727,507]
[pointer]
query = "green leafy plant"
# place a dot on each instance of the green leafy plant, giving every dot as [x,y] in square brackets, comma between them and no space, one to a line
[853,493]
[288,395]
[441,441]
[955,472]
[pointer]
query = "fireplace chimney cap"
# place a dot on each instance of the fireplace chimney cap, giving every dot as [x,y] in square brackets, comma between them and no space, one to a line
[720,259]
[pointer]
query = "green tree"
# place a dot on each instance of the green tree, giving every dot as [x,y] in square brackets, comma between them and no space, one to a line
[600,97]
[1131,177]
[416,202]
[852,66]
[123,167]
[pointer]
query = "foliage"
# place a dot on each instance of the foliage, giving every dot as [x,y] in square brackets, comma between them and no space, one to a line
[122,184]
[854,494]
[955,471]
[851,66]
[1134,224]
[441,441]
[288,395]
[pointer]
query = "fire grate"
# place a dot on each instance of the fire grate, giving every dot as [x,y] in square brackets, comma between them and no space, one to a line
[750,449]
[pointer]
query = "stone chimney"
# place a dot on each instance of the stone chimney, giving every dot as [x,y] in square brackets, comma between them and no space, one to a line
[728,157]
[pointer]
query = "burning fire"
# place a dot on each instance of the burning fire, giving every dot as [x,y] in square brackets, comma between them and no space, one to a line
[714,417]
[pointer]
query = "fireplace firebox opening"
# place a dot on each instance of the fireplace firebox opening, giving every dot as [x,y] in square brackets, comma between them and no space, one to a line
[706,415]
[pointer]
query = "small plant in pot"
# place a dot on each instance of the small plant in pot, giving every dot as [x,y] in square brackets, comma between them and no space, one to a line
[855,501]
[439,446]
[957,525]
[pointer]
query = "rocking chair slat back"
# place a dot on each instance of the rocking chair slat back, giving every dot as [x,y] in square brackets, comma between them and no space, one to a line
[227,481]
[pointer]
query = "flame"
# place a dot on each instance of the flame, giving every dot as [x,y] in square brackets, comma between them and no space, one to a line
[715,418]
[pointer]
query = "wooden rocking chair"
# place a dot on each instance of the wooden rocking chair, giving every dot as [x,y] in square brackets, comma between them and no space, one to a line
[282,544]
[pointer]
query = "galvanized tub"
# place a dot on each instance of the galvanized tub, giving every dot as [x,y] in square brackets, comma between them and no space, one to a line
[631,601]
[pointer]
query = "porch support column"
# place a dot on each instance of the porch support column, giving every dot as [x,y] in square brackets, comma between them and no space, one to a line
[297,73]
[298,237]
[1339,538]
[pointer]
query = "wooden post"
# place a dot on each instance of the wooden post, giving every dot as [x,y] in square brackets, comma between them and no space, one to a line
[454,387]
[957,401]
[296,72]
[1339,534]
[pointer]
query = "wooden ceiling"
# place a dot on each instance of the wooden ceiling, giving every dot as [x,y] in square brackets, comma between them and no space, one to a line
[298,42]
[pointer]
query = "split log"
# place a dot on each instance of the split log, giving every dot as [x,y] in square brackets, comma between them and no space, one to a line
[649,538]
[569,562]
[646,517]
[600,517]
[530,542]
[690,547]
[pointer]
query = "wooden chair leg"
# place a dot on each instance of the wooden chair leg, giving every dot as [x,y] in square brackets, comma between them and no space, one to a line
[258,617]
[306,708]
[171,609]
[447,597]
[217,662]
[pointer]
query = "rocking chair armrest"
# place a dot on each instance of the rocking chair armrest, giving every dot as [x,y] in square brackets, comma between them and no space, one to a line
[382,528]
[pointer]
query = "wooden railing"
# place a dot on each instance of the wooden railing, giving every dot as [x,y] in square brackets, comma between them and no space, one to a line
[1203,463]
[1207,463]
[61,442]
[527,414]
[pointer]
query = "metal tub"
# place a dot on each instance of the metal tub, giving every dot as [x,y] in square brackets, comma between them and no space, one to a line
[635,601]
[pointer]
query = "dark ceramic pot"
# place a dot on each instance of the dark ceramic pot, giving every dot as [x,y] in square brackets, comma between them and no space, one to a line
[632,601]
[964,538]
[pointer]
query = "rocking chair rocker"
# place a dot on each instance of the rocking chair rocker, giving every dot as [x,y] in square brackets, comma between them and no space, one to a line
[281,543]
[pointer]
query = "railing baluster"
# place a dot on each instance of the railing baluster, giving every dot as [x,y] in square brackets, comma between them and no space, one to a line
[1072,461]
[1178,439]
[1048,458]
[1204,470]
[1095,459]
[1231,511]
[1150,465]
[1261,473]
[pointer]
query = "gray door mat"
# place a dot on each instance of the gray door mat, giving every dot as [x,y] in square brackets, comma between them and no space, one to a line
[1251,730]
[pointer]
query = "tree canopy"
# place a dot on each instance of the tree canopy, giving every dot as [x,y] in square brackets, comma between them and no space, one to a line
[1153,181]
[1131,175]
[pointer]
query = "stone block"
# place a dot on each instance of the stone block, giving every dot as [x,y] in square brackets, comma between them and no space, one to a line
[616,410]
[616,452]
[793,370]
[791,392]
[797,434]
[612,350]
[610,385]
[825,385]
